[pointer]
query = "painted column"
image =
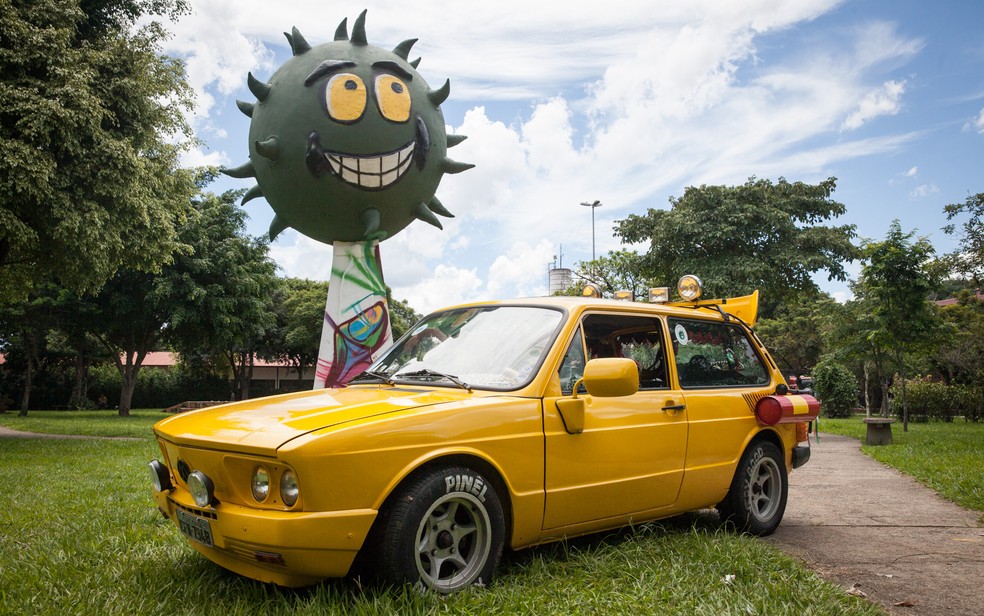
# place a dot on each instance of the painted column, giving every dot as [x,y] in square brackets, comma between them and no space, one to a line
[357,325]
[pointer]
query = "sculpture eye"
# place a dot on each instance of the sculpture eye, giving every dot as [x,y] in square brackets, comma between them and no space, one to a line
[393,98]
[345,97]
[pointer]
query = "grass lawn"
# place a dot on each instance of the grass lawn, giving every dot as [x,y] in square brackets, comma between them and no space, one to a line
[947,457]
[79,534]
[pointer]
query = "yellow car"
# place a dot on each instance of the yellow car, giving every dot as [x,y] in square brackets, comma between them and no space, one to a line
[492,425]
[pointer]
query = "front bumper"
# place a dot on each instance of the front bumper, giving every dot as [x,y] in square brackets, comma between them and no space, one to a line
[311,546]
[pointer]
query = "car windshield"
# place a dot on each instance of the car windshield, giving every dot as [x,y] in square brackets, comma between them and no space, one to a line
[491,347]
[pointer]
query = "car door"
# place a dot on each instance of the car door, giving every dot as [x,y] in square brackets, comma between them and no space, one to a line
[630,456]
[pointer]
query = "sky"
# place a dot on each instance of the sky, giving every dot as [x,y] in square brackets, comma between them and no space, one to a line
[627,103]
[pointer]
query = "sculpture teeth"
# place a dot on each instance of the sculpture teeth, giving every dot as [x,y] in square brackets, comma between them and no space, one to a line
[375,171]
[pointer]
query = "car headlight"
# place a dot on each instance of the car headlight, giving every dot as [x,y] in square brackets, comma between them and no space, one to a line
[160,477]
[260,483]
[289,490]
[202,489]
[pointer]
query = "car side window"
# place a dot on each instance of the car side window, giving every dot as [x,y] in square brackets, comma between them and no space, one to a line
[714,354]
[572,368]
[610,335]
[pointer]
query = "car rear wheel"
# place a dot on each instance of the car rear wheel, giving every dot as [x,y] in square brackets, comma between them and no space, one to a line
[756,501]
[443,530]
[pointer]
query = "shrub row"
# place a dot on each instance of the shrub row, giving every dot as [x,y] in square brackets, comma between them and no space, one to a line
[935,400]
[836,388]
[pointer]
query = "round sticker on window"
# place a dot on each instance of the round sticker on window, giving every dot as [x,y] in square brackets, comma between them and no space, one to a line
[680,333]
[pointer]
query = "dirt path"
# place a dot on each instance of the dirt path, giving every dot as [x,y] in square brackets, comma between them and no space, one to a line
[868,527]
[9,432]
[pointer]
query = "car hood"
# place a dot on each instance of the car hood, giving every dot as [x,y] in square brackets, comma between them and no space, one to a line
[265,424]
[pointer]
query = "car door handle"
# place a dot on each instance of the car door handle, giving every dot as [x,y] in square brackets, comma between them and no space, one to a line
[673,409]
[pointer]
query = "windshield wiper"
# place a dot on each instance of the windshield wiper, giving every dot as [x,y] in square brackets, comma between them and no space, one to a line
[369,374]
[435,373]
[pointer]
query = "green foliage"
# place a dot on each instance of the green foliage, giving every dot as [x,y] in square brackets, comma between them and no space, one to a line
[91,121]
[968,259]
[835,387]
[933,399]
[157,388]
[737,239]
[619,270]
[798,334]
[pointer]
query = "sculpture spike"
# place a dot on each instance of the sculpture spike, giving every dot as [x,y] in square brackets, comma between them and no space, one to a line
[246,108]
[241,172]
[259,89]
[415,63]
[251,194]
[454,140]
[269,148]
[277,227]
[421,212]
[298,45]
[359,29]
[438,208]
[441,94]
[341,32]
[453,166]
[403,49]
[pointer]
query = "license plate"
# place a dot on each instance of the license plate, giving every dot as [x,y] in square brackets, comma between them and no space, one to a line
[195,528]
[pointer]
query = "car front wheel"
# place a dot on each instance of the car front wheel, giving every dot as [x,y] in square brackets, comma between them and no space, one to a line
[756,501]
[443,530]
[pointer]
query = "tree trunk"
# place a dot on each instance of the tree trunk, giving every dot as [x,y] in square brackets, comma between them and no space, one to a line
[905,403]
[28,385]
[78,399]
[868,402]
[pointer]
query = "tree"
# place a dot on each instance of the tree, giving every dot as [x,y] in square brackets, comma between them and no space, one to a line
[894,286]
[91,126]
[737,239]
[797,335]
[968,260]
[24,329]
[300,310]
[220,294]
[619,270]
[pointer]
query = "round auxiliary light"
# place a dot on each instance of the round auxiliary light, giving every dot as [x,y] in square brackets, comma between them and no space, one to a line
[159,476]
[260,484]
[289,490]
[201,488]
[690,288]
[591,290]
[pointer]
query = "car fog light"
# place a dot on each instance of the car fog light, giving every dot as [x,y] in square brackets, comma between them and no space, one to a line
[160,477]
[289,489]
[201,488]
[261,483]
[689,288]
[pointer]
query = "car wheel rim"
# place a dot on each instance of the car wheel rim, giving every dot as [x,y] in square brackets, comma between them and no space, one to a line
[764,489]
[454,540]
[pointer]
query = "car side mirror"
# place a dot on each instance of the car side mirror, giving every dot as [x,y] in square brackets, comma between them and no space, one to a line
[608,377]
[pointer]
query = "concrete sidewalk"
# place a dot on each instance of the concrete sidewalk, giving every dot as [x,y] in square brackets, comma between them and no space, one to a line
[866,526]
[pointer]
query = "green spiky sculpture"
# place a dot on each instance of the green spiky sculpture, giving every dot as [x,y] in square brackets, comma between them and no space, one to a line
[347,143]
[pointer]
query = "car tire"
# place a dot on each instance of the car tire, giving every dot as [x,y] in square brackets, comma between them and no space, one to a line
[756,501]
[442,530]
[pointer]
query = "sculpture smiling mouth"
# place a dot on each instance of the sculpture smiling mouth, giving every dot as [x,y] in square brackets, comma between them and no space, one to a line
[371,171]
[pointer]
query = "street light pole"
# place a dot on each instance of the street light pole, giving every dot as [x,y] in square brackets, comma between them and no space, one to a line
[592,206]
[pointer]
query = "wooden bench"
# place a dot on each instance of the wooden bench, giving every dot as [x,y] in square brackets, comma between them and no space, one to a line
[879,430]
[191,405]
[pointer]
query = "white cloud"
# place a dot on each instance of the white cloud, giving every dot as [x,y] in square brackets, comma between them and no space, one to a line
[911,173]
[979,122]
[924,190]
[883,101]
[622,102]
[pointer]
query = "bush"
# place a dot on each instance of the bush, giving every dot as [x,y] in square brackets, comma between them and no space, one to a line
[930,399]
[836,388]
[157,388]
